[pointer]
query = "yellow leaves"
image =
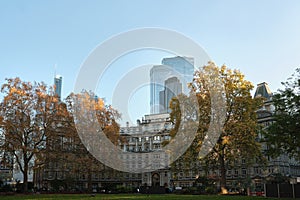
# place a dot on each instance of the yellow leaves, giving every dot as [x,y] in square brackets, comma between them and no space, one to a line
[99,104]
[13,90]
[18,91]
[225,140]
[90,102]
[41,94]
[223,69]
[55,100]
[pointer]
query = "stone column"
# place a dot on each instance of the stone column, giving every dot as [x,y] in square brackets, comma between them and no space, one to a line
[143,144]
[136,144]
[150,143]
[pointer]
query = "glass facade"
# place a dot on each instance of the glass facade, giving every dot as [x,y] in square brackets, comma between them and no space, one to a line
[180,67]
[58,85]
[158,75]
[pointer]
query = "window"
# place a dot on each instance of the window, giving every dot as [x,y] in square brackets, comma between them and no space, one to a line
[236,172]
[157,138]
[257,170]
[50,175]
[156,156]
[95,176]
[244,171]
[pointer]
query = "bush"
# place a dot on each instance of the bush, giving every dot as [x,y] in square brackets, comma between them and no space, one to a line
[6,188]
[20,187]
[210,190]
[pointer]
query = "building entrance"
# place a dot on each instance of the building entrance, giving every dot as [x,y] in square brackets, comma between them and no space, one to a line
[155,180]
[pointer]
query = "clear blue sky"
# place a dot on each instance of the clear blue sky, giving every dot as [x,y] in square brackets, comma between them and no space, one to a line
[261,38]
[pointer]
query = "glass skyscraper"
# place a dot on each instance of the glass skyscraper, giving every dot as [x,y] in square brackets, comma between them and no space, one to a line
[183,68]
[173,87]
[58,85]
[160,91]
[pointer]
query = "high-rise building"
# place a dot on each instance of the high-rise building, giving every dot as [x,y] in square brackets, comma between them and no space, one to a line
[184,69]
[58,85]
[158,75]
[173,87]
[180,67]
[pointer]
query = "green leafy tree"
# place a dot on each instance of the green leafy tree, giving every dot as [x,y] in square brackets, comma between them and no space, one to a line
[283,136]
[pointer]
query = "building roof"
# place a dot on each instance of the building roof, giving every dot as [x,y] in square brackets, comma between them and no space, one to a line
[263,90]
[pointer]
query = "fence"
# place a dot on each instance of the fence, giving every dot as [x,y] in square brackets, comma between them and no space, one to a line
[283,190]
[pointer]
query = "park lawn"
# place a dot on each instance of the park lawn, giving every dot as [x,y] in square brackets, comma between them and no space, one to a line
[130,196]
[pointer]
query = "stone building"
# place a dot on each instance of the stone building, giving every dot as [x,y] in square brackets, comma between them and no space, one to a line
[282,165]
[148,136]
[6,168]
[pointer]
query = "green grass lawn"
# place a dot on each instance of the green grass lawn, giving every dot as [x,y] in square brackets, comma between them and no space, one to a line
[130,196]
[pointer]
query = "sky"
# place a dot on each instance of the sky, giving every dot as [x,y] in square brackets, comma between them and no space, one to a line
[39,39]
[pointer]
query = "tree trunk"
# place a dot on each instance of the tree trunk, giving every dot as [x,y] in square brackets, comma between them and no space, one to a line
[223,174]
[89,180]
[25,177]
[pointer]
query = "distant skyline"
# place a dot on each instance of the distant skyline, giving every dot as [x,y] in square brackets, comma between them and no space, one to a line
[260,38]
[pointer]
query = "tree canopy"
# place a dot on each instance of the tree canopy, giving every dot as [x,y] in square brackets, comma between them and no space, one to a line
[283,136]
[106,118]
[38,129]
[238,136]
[27,113]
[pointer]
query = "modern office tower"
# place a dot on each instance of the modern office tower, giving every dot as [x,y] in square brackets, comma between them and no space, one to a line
[180,67]
[158,75]
[173,87]
[162,102]
[58,85]
[183,67]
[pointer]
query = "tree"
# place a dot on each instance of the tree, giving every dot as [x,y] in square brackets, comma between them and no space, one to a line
[27,117]
[66,157]
[283,136]
[237,138]
[106,117]
[58,157]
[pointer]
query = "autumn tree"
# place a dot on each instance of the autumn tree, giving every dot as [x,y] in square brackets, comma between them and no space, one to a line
[237,137]
[66,157]
[58,156]
[187,160]
[106,118]
[26,119]
[283,136]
